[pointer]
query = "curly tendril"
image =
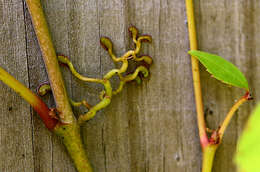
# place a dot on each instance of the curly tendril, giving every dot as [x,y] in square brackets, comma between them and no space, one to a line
[106,94]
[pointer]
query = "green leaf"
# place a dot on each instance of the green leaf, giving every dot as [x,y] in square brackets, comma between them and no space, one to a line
[221,69]
[248,153]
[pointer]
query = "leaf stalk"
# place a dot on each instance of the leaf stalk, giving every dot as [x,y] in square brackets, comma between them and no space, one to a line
[231,113]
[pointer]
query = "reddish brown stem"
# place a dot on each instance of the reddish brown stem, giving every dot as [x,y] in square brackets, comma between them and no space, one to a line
[38,105]
[44,113]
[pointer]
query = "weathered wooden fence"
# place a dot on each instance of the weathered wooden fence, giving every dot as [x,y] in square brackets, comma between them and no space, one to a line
[151,127]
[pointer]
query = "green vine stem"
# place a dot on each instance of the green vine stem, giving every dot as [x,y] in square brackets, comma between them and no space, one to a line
[209,144]
[208,157]
[217,135]
[196,74]
[51,62]
[71,135]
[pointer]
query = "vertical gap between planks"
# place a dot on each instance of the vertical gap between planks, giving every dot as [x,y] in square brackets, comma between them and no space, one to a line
[28,75]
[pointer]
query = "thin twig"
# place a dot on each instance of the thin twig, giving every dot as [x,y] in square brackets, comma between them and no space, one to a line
[231,113]
[38,105]
[50,60]
[196,73]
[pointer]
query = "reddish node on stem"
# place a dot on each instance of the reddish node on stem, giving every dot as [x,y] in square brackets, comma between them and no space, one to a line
[204,141]
[54,113]
[248,96]
[44,112]
[215,138]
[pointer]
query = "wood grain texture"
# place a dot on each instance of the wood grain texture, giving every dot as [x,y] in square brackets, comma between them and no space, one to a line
[229,29]
[16,125]
[149,127]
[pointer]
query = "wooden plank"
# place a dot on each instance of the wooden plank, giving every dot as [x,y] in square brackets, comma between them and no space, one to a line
[84,51]
[115,130]
[163,109]
[57,15]
[15,124]
[228,29]
[49,153]
[42,138]
[151,127]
